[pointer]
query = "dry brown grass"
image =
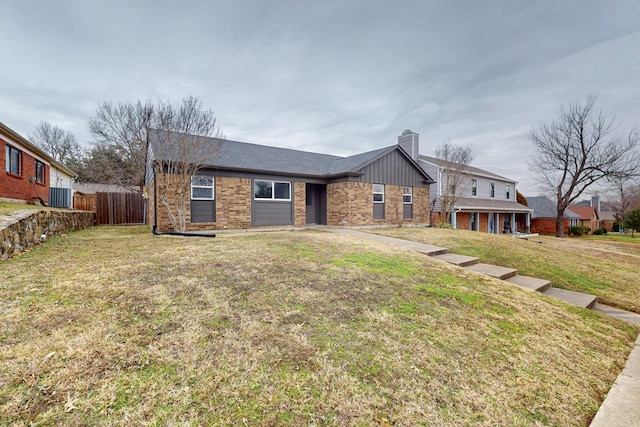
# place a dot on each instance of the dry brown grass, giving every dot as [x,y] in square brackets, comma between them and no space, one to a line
[116,326]
[9,208]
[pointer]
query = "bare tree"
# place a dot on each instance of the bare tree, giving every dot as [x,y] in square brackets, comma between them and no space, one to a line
[58,143]
[123,128]
[182,145]
[624,195]
[577,151]
[454,159]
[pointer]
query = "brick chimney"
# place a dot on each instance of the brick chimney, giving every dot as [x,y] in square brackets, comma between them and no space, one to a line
[409,141]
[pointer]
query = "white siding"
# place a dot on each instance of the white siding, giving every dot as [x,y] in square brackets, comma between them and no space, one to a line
[58,178]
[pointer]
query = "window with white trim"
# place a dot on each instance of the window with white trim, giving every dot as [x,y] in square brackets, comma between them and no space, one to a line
[507,192]
[202,187]
[492,189]
[407,195]
[271,190]
[14,160]
[39,172]
[378,193]
[474,187]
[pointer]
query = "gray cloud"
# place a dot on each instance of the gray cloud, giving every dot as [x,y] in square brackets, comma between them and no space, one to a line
[335,77]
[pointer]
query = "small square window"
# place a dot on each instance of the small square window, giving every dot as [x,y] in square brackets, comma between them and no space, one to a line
[378,193]
[202,188]
[407,195]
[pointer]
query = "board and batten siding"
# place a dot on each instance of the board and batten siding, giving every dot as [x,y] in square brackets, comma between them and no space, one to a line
[392,169]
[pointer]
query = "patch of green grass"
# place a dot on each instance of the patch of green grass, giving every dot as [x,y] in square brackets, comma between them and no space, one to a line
[466,298]
[375,263]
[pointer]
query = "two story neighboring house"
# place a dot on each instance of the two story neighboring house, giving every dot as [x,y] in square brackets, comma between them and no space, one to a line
[30,174]
[482,200]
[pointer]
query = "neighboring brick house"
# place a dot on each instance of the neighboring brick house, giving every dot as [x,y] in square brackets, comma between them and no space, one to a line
[543,218]
[30,174]
[248,185]
[606,218]
[484,201]
[588,216]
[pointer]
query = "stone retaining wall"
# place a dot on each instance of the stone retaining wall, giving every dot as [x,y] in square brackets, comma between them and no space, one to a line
[24,229]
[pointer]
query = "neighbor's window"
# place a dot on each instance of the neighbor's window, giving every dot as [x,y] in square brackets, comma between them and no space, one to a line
[507,191]
[378,193]
[39,172]
[13,157]
[452,189]
[202,188]
[271,190]
[492,190]
[407,195]
[474,187]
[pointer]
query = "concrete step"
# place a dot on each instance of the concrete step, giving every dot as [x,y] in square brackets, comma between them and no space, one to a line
[459,260]
[625,316]
[429,250]
[572,297]
[498,272]
[527,282]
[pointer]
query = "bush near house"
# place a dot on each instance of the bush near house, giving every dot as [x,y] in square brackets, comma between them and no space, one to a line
[578,230]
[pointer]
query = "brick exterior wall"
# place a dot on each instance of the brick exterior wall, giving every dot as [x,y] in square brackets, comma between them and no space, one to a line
[348,203]
[18,187]
[351,204]
[548,226]
[462,220]
[421,205]
[232,202]
[299,204]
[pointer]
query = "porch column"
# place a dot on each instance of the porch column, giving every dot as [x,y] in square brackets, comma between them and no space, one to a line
[453,220]
[513,223]
[528,222]
[497,227]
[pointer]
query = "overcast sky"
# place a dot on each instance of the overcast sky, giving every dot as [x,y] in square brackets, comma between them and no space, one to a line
[337,77]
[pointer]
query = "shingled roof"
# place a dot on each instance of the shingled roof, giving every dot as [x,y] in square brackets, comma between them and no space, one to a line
[243,156]
[470,170]
[544,207]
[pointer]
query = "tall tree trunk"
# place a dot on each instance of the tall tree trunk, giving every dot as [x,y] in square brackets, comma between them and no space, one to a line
[560,222]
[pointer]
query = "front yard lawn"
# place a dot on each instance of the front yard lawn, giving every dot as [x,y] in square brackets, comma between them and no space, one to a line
[113,325]
[598,265]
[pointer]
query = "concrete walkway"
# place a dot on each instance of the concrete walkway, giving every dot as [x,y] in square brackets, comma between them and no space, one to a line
[621,407]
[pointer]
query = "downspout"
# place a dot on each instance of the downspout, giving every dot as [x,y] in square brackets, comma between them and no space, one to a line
[154,229]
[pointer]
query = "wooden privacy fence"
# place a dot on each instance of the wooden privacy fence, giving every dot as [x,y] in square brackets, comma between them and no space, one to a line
[84,202]
[119,208]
